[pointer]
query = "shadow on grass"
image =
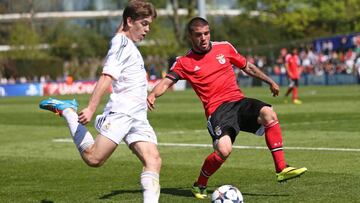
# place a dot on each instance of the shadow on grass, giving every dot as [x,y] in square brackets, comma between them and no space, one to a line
[118,192]
[265,195]
[46,201]
[184,192]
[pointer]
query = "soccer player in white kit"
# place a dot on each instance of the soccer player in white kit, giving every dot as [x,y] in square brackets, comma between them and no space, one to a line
[125,114]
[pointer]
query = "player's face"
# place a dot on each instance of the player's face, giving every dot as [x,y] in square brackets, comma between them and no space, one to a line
[138,29]
[200,38]
[295,51]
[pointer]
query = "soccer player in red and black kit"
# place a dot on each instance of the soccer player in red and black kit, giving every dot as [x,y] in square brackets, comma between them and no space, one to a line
[292,69]
[208,68]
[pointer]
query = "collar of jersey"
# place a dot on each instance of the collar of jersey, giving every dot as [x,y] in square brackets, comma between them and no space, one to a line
[202,53]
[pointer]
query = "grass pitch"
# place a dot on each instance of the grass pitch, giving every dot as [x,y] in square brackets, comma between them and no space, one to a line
[37,164]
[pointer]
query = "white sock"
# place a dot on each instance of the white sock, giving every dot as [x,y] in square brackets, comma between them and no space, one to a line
[81,136]
[151,186]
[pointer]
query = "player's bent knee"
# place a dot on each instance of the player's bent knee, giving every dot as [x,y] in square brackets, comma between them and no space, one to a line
[156,160]
[224,147]
[93,162]
[267,114]
[266,110]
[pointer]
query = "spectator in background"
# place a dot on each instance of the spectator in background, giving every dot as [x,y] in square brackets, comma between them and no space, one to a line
[279,68]
[333,63]
[350,58]
[357,68]
[22,80]
[327,47]
[3,80]
[292,69]
[69,80]
[306,62]
[343,42]
[356,42]
[11,80]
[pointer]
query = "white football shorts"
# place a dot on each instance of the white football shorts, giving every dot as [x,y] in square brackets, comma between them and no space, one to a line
[119,126]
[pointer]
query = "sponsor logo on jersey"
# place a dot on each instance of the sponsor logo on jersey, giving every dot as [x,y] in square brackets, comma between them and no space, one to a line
[221,58]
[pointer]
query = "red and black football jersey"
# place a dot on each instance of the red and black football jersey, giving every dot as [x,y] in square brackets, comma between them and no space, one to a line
[211,74]
[292,62]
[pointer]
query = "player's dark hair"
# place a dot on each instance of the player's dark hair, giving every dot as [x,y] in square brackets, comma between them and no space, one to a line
[195,22]
[138,9]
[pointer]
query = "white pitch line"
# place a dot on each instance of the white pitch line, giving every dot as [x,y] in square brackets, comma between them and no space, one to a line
[62,140]
[239,147]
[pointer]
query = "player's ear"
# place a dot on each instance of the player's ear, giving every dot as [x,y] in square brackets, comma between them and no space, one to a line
[189,34]
[129,22]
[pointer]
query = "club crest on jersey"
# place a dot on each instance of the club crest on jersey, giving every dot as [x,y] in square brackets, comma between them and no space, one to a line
[221,58]
[218,130]
[107,126]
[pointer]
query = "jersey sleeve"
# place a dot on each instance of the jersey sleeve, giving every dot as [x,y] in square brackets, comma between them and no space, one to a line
[117,55]
[235,58]
[175,72]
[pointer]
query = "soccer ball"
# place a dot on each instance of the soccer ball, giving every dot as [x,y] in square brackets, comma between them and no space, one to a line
[227,194]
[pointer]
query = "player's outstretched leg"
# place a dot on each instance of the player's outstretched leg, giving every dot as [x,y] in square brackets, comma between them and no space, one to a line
[67,109]
[274,141]
[289,173]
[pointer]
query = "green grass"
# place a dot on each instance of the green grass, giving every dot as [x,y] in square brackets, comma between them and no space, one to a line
[34,168]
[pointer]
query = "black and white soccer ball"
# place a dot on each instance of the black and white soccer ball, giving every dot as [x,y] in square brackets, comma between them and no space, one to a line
[227,194]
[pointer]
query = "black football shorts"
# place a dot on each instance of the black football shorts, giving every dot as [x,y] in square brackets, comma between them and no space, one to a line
[231,117]
[293,83]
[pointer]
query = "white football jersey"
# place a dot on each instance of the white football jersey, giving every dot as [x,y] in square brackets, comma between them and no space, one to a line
[129,89]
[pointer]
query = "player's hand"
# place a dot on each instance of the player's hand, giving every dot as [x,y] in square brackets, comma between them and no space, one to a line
[85,116]
[151,102]
[275,89]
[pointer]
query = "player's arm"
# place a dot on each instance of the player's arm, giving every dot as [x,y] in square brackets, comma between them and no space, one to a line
[288,68]
[157,91]
[254,71]
[101,87]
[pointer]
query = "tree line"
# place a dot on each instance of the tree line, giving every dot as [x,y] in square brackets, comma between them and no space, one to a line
[77,47]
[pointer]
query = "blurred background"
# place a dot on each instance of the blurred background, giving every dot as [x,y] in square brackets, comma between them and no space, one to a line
[57,46]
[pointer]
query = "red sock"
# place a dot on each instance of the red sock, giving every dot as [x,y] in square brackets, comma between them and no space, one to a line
[295,93]
[274,142]
[211,164]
